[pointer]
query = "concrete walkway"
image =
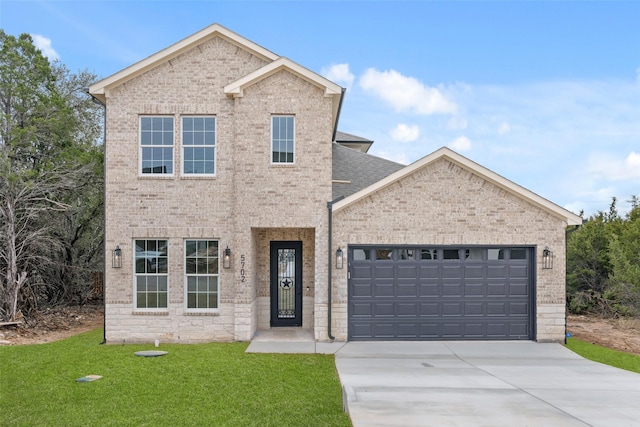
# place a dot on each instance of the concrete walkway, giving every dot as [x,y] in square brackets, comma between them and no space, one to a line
[482,384]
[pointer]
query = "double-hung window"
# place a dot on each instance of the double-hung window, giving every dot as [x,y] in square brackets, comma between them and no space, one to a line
[282,139]
[156,145]
[201,274]
[151,277]
[198,145]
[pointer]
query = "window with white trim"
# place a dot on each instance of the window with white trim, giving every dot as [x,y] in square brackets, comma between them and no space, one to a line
[282,139]
[201,274]
[156,145]
[151,274]
[198,145]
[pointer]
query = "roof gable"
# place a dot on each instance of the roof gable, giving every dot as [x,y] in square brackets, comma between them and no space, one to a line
[215,30]
[465,163]
[236,88]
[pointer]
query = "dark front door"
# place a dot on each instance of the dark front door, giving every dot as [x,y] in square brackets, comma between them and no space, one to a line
[286,284]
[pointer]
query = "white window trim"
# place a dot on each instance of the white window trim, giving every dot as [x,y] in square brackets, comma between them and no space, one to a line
[156,175]
[215,148]
[137,309]
[271,141]
[187,309]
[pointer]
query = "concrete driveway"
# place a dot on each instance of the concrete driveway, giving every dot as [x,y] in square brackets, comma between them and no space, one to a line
[482,384]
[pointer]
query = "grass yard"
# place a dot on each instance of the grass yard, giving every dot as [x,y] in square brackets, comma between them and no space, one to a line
[619,359]
[194,385]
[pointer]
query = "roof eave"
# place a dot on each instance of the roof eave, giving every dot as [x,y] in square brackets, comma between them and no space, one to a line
[99,89]
[494,178]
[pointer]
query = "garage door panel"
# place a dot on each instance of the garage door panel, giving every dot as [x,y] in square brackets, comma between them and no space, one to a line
[383,309]
[407,309]
[399,297]
[429,309]
[451,309]
[407,271]
[383,271]
[361,289]
[452,271]
[519,308]
[429,270]
[518,289]
[407,289]
[361,309]
[383,289]
[451,289]
[474,290]
[497,271]
[474,271]
[429,289]
[497,289]
[474,309]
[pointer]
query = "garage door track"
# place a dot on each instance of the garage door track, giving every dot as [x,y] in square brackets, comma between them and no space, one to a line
[519,383]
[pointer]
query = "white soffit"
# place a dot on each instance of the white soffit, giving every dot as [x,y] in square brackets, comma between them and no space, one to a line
[465,163]
[98,89]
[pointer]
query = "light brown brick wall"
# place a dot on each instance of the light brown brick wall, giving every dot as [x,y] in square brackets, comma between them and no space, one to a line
[246,193]
[444,204]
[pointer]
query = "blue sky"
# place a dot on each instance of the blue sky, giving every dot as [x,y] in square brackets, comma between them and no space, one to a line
[547,94]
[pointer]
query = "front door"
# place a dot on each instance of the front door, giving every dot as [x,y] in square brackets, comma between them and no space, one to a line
[286,284]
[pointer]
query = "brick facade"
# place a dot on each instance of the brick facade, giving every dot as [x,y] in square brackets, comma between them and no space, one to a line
[251,202]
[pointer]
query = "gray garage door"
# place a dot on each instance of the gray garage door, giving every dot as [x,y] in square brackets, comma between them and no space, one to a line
[440,293]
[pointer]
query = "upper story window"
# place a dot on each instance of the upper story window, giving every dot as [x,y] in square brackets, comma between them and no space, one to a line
[198,145]
[156,145]
[282,139]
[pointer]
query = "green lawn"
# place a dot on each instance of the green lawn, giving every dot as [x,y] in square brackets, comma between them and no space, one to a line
[619,359]
[194,385]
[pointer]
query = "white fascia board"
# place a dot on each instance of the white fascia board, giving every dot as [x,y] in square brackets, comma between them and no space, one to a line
[98,89]
[465,163]
[236,88]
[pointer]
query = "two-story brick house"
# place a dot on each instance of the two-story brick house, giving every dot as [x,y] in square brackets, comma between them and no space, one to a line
[235,205]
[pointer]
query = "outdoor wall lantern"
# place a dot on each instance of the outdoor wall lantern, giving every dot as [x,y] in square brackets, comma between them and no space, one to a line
[339,259]
[226,258]
[547,258]
[116,257]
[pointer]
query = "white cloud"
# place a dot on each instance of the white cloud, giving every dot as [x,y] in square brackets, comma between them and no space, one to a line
[461,143]
[611,168]
[406,93]
[504,128]
[405,133]
[338,73]
[44,44]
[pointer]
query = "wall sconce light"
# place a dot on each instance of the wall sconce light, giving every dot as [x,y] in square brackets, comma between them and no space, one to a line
[226,258]
[547,258]
[116,257]
[339,259]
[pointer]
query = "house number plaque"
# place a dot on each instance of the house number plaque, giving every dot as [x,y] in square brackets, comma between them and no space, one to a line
[242,272]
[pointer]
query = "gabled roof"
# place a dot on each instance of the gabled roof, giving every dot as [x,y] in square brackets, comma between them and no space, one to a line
[98,89]
[236,89]
[354,170]
[465,163]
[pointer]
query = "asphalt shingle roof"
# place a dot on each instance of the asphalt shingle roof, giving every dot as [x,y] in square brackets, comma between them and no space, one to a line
[358,170]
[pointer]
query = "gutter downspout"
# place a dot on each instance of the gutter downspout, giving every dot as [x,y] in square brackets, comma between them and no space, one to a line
[329,264]
[104,215]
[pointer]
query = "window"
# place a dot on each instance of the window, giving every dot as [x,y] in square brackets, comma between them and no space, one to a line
[198,145]
[282,139]
[429,254]
[201,274]
[156,145]
[151,274]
